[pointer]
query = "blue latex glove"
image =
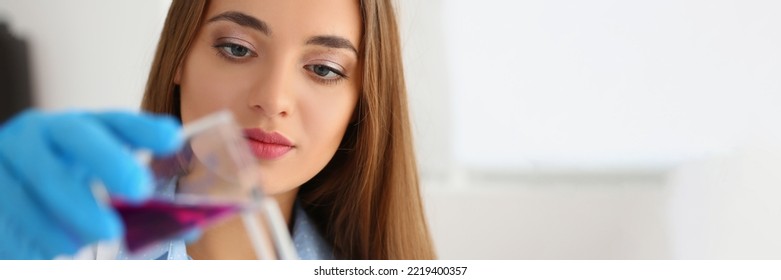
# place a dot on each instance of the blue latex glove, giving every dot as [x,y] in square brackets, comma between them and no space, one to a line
[48,163]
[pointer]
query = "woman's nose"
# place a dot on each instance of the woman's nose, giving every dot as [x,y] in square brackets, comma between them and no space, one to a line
[273,95]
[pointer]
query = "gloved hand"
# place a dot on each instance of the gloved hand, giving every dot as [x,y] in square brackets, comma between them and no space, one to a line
[48,164]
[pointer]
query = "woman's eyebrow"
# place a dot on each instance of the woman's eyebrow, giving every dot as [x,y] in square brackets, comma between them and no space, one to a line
[243,20]
[335,42]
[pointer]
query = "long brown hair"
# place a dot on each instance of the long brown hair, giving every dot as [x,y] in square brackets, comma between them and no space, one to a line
[366,201]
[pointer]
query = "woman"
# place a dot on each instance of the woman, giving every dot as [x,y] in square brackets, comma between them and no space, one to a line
[319,88]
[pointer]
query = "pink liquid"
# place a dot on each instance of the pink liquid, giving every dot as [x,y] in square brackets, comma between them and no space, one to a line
[153,221]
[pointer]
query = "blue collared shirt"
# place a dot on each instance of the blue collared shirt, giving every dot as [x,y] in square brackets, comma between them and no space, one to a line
[310,245]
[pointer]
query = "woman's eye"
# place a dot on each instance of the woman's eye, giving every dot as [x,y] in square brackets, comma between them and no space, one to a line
[235,50]
[324,72]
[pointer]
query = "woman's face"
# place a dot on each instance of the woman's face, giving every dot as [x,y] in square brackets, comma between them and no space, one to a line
[289,72]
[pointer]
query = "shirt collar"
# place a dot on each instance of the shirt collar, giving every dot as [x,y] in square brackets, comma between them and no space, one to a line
[309,243]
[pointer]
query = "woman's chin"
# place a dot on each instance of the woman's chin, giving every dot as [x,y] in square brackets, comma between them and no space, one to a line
[276,188]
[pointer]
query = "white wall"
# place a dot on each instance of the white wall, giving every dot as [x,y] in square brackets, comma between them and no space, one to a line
[428,83]
[88,53]
[727,207]
[603,88]
[608,83]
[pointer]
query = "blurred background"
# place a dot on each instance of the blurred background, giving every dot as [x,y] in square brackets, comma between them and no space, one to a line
[556,129]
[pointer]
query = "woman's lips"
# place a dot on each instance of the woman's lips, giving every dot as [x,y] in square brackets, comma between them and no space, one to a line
[267,145]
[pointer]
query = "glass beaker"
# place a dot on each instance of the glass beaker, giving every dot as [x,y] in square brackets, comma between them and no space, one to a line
[213,176]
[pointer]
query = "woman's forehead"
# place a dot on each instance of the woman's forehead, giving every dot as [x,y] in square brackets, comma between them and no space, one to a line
[295,18]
